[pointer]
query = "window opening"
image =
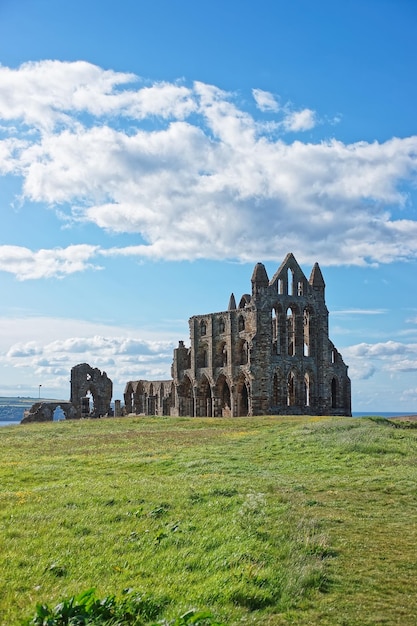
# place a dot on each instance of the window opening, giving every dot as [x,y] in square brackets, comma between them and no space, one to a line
[306,333]
[290,332]
[307,390]
[291,390]
[290,282]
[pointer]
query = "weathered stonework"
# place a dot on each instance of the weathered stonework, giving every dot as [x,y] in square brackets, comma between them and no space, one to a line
[270,354]
[84,380]
[44,412]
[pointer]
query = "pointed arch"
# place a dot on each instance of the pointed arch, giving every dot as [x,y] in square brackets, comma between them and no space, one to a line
[290,281]
[205,400]
[292,389]
[221,356]
[290,331]
[307,398]
[307,343]
[242,352]
[276,323]
[223,396]
[186,397]
[242,396]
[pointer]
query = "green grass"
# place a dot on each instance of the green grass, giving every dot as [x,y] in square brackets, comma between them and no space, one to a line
[268,520]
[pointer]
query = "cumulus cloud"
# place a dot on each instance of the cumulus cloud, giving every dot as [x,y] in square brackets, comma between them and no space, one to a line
[300,120]
[122,353]
[265,100]
[193,175]
[58,262]
[391,357]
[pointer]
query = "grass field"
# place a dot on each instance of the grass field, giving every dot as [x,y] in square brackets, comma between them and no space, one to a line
[268,520]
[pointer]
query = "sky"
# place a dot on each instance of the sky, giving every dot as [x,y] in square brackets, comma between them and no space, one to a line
[151,152]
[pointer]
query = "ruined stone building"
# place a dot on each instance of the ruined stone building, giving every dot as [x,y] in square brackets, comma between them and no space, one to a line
[270,354]
[91,394]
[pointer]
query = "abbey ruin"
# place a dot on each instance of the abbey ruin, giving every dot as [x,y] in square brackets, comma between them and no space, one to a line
[270,354]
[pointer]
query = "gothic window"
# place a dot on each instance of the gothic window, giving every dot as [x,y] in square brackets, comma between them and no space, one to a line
[307,349]
[307,390]
[280,286]
[241,323]
[291,389]
[276,349]
[221,326]
[243,353]
[274,326]
[224,356]
[203,328]
[290,282]
[290,332]
[300,288]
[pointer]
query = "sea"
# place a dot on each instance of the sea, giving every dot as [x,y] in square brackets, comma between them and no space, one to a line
[58,416]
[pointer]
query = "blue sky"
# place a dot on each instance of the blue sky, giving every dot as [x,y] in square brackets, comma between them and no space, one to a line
[151,152]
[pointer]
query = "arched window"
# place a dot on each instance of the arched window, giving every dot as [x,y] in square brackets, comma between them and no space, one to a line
[242,353]
[290,332]
[276,330]
[203,328]
[307,390]
[280,286]
[241,323]
[307,348]
[291,388]
[224,356]
[290,282]
[222,326]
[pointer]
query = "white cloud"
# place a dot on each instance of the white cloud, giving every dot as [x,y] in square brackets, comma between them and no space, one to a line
[193,174]
[58,262]
[300,120]
[391,357]
[265,100]
[124,353]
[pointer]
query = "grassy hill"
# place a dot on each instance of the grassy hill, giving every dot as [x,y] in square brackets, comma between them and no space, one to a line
[268,520]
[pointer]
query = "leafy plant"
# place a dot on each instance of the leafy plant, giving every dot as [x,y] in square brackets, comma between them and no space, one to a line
[86,609]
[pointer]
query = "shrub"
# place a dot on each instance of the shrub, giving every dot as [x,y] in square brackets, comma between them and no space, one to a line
[86,609]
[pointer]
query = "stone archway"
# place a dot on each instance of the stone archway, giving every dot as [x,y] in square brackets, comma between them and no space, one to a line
[204,399]
[242,397]
[224,397]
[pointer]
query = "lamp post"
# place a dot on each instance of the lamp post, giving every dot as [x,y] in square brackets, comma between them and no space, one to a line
[39,392]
